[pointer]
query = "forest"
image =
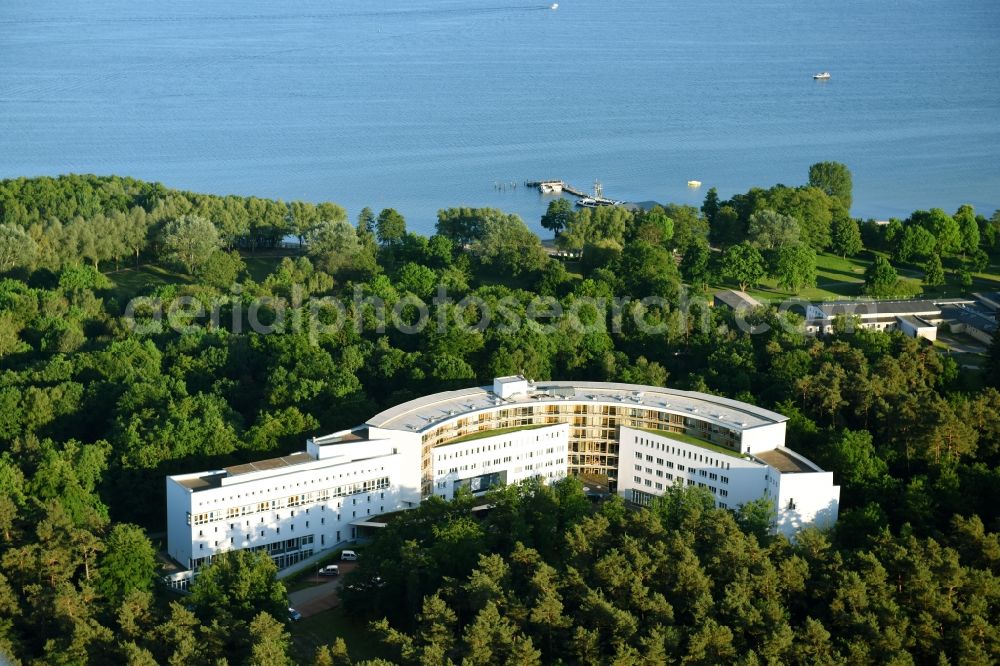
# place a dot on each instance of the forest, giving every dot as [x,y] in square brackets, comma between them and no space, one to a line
[94,412]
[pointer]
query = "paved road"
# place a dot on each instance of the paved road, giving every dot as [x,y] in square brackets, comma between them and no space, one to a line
[320,597]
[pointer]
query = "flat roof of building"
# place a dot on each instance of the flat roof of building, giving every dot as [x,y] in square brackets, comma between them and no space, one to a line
[270,464]
[886,308]
[201,482]
[979,318]
[424,413]
[737,299]
[915,321]
[214,479]
[784,462]
[988,299]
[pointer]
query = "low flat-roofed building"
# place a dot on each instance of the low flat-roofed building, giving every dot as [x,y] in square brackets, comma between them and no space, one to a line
[976,321]
[881,315]
[916,327]
[735,300]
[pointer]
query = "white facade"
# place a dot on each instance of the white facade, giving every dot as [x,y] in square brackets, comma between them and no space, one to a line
[290,507]
[917,327]
[508,387]
[486,462]
[802,494]
[642,438]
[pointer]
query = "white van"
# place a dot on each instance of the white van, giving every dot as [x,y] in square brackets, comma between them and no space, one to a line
[349,555]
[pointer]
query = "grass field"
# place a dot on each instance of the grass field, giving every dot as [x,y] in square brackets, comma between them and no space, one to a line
[838,278]
[131,282]
[259,267]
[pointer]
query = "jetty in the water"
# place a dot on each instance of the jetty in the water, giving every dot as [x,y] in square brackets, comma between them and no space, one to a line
[555,187]
[585,199]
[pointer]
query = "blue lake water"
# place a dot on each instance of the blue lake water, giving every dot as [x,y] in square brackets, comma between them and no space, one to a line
[420,104]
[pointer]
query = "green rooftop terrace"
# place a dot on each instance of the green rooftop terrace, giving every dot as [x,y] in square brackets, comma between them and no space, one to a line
[490,433]
[696,441]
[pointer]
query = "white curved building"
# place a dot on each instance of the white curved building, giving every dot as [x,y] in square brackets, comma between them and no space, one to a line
[642,438]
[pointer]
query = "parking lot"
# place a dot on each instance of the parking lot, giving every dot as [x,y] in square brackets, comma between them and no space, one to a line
[321,596]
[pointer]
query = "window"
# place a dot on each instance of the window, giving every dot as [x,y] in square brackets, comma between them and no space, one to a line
[637,479]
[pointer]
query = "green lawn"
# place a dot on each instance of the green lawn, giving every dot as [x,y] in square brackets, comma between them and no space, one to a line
[130,282]
[688,439]
[324,628]
[838,278]
[260,267]
[490,433]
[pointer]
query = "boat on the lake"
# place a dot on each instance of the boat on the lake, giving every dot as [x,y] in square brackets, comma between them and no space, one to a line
[694,183]
[598,199]
[554,5]
[822,76]
[592,202]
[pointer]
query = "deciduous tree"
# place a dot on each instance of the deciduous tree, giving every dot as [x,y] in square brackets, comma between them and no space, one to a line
[833,178]
[743,264]
[190,241]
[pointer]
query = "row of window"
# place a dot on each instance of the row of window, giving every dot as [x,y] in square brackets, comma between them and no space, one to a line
[650,483]
[641,498]
[711,476]
[493,447]
[290,501]
[680,452]
[216,498]
[281,560]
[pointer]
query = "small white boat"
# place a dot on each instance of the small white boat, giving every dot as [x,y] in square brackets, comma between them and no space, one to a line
[554,5]
[822,76]
[694,183]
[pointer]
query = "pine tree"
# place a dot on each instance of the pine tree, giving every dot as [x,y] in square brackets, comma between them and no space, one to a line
[934,272]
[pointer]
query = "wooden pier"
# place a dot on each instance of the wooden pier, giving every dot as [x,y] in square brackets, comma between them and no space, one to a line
[563,187]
